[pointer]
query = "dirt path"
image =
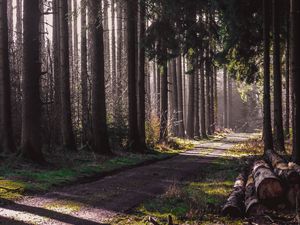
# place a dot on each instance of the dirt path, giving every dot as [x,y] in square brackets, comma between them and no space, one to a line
[94,203]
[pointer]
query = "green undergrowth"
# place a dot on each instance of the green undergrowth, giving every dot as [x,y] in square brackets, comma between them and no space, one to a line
[18,177]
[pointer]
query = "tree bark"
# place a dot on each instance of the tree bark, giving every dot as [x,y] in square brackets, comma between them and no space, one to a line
[164,103]
[85,120]
[134,138]
[141,74]
[191,108]
[267,126]
[174,76]
[196,105]
[295,71]
[267,185]
[31,105]
[100,141]
[287,77]
[6,133]
[180,97]
[66,114]
[225,98]
[278,122]
[202,100]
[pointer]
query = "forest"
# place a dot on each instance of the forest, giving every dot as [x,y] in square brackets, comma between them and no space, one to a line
[149,112]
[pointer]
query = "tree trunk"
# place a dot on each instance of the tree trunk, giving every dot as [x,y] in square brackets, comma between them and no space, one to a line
[212,100]
[164,103]
[202,100]
[66,114]
[141,74]
[85,120]
[295,71]
[100,136]
[278,123]
[174,76]
[134,138]
[6,134]
[113,56]
[196,105]
[225,98]
[287,77]
[31,106]
[267,126]
[230,104]
[191,108]
[119,54]
[208,91]
[180,97]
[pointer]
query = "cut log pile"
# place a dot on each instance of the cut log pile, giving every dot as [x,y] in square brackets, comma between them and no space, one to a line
[270,182]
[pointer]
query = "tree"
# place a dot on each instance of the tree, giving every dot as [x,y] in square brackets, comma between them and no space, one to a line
[278,124]
[191,108]
[84,73]
[202,98]
[174,77]
[267,127]
[65,103]
[163,101]
[100,142]
[295,72]
[225,97]
[196,105]
[6,134]
[180,97]
[31,105]
[134,139]
[287,71]
[141,74]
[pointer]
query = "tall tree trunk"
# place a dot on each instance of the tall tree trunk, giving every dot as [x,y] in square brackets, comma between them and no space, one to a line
[134,138]
[6,134]
[208,91]
[100,141]
[212,101]
[84,74]
[175,96]
[164,102]
[158,80]
[113,55]
[66,114]
[180,97]
[31,109]
[216,97]
[202,100]
[119,52]
[267,126]
[191,108]
[278,122]
[141,74]
[56,70]
[230,103]
[196,105]
[225,98]
[287,70]
[295,72]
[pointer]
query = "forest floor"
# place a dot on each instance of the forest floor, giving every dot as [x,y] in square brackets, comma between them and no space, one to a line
[190,186]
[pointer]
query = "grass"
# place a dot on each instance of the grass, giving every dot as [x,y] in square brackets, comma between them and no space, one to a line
[18,177]
[198,201]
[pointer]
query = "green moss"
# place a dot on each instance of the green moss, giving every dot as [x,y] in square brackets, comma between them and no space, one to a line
[11,190]
[64,206]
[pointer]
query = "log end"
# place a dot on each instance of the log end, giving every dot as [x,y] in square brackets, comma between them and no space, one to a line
[270,190]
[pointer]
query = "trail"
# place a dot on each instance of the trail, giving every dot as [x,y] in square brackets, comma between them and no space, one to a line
[96,202]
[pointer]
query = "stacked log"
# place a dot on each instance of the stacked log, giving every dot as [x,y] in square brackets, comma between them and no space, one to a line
[235,206]
[281,168]
[253,205]
[268,186]
[272,182]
